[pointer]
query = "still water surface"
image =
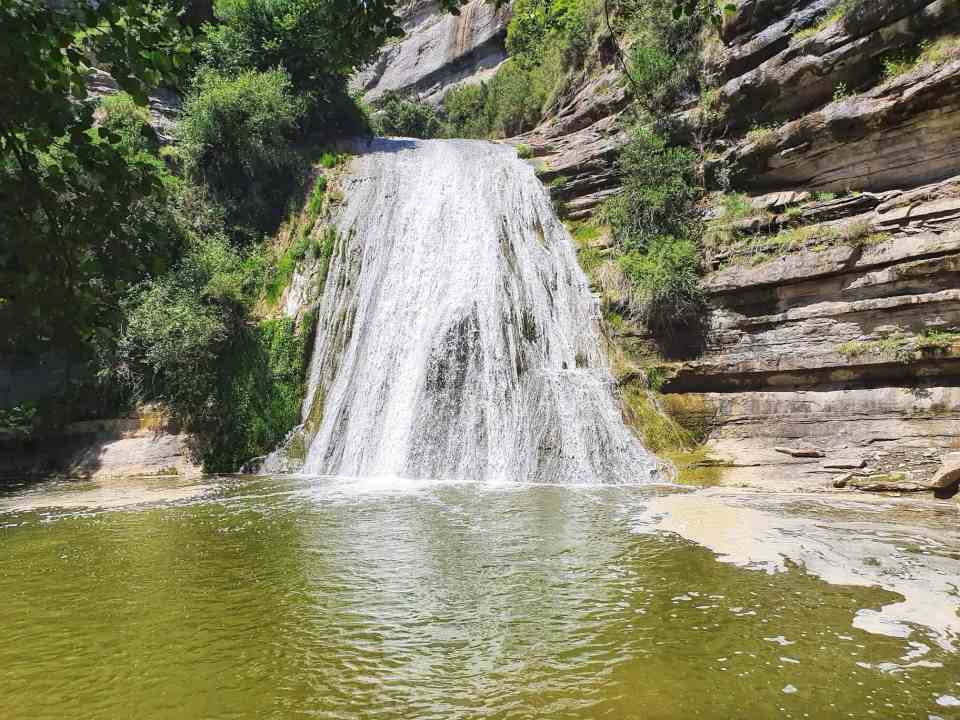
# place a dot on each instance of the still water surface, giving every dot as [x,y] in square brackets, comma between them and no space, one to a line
[320,598]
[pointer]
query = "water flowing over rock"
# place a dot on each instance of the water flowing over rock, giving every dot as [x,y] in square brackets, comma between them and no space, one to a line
[458,337]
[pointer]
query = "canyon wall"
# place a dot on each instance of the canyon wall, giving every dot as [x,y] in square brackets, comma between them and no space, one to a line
[438,51]
[830,354]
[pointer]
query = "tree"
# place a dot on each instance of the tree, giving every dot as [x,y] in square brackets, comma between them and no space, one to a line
[235,136]
[68,242]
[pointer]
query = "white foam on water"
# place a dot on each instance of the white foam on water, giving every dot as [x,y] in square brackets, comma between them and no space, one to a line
[840,555]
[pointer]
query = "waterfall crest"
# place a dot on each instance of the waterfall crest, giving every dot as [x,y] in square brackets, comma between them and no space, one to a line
[457,336]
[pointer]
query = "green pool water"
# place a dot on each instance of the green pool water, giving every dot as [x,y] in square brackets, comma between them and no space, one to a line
[313,598]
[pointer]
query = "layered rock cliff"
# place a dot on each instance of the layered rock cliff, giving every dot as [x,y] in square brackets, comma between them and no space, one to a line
[831,353]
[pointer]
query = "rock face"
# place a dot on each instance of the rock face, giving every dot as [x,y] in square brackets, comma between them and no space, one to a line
[948,475]
[844,338]
[140,445]
[438,51]
[831,351]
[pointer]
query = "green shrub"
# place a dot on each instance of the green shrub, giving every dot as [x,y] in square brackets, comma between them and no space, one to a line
[538,25]
[660,192]
[259,392]
[317,195]
[329,159]
[665,55]
[544,39]
[517,95]
[898,63]
[524,152]
[667,275]
[188,343]
[318,43]
[406,118]
[235,135]
[468,111]
[19,420]
[169,348]
[737,206]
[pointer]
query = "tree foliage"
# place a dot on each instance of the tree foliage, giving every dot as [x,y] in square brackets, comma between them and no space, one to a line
[660,191]
[398,115]
[235,137]
[69,243]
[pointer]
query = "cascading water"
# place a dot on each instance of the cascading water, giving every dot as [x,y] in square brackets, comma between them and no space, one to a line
[457,335]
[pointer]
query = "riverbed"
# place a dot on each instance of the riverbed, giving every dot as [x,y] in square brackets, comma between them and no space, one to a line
[331,598]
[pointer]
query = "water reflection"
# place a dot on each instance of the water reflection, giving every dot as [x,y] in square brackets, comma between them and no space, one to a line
[302,598]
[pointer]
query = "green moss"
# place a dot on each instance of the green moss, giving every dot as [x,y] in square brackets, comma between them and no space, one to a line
[695,467]
[671,427]
[329,159]
[902,347]
[585,231]
[762,135]
[315,416]
[937,340]
[323,250]
[905,60]
[524,152]
[737,206]
[261,388]
[297,448]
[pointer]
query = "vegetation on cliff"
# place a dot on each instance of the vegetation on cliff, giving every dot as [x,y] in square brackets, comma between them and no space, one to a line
[154,265]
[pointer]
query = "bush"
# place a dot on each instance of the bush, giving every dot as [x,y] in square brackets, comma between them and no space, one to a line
[667,275]
[169,348]
[406,118]
[665,54]
[544,38]
[235,136]
[660,192]
[236,387]
[259,393]
[468,111]
[516,95]
[537,25]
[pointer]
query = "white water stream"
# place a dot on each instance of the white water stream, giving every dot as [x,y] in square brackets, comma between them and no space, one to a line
[458,337]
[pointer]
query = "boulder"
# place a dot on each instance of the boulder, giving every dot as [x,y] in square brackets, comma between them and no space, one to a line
[949,472]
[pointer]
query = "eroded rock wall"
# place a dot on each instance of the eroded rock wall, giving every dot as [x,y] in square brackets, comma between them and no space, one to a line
[831,355]
[438,50]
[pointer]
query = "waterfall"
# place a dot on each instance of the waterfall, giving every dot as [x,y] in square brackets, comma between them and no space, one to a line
[457,336]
